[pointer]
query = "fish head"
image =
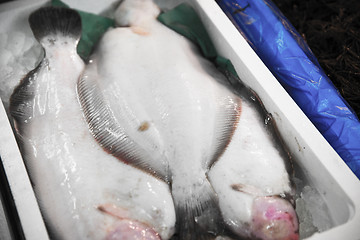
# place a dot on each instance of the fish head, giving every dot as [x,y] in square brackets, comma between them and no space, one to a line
[274,218]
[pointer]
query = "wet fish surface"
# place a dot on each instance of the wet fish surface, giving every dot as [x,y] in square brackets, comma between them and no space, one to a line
[171,147]
[143,95]
[155,103]
[83,192]
[252,181]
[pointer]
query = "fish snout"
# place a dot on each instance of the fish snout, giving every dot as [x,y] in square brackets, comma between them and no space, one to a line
[274,218]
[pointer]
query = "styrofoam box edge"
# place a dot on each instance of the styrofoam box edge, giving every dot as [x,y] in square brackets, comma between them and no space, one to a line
[304,140]
[24,197]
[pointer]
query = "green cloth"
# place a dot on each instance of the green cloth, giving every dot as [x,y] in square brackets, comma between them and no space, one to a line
[184,20]
[93,27]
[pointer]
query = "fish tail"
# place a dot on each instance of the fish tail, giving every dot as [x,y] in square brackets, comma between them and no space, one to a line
[198,215]
[136,12]
[55,21]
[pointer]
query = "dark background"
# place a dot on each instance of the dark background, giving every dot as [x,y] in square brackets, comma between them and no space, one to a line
[332,30]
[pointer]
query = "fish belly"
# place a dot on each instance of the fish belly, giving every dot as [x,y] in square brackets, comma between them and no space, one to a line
[73,176]
[169,113]
[83,192]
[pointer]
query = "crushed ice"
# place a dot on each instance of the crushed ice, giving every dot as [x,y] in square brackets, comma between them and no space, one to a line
[19,53]
[313,213]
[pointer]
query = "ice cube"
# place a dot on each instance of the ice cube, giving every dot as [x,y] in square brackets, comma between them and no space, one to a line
[306,226]
[5,57]
[316,205]
[19,53]
[31,57]
[3,40]
[15,42]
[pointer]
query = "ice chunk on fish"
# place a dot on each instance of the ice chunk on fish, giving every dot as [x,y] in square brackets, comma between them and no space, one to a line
[83,192]
[252,182]
[152,101]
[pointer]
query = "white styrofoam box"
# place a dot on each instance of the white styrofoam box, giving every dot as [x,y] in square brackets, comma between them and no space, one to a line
[321,165]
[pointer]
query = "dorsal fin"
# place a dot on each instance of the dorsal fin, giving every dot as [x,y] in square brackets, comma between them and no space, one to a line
[108,131]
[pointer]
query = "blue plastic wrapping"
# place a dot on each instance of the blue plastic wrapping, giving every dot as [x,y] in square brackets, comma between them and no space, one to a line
[291,61]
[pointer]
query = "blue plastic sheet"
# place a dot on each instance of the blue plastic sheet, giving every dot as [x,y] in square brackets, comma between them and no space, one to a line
[291,61]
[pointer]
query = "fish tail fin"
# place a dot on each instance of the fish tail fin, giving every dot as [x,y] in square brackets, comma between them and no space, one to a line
[55,21]
[198,215]
[136,12]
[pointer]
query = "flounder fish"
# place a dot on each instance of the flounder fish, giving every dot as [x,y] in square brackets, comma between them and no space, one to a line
[252,181]
[151,101]
[83,192]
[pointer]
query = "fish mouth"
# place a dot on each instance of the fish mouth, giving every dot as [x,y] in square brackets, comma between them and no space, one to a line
[274,218]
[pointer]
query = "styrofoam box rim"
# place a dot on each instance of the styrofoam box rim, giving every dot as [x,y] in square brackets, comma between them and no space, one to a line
[304,140]
[323,166]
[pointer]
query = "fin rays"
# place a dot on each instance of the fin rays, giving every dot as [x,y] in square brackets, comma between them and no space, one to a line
[109,133]
[53,20]
[226,123]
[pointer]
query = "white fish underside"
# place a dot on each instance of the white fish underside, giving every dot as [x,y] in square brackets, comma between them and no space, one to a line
[251,167]
[82,190]
[190,116]
[153,102]
[161,86]
[68,166]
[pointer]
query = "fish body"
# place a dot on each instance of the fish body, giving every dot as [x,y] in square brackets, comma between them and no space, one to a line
[252,181]
[152,101]
[83,192]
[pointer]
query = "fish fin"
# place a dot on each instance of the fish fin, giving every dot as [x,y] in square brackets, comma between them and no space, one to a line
[248,189]
[107,130]
[136,12]
[113,210]
[198,216]
[54,21]
[21,100]
[226,123]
